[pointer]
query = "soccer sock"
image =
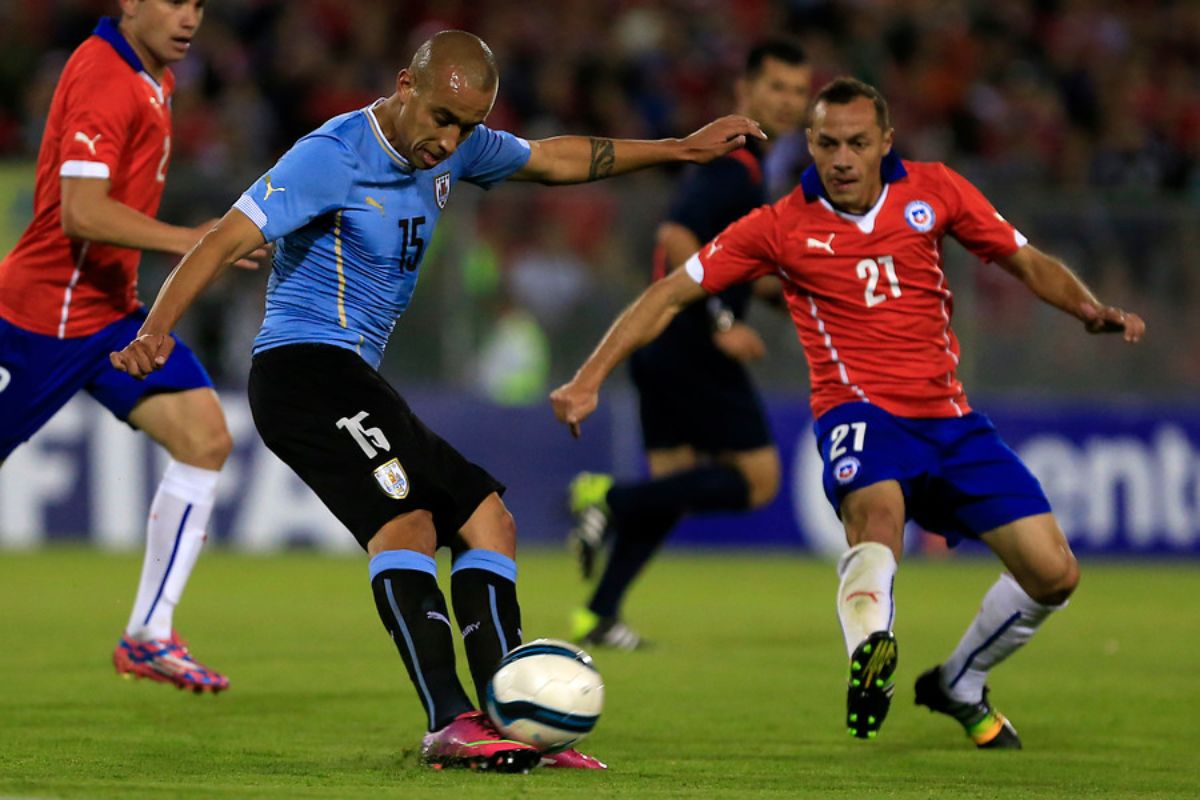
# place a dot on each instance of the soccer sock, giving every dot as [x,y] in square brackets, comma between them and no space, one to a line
[865,603]
[174,536]
[412,608]
[643,515]
[483,586]
[712,487]
[1006,620]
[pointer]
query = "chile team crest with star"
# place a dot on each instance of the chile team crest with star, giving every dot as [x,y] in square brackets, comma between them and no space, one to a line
[846,469]
[919,215]
[441,189]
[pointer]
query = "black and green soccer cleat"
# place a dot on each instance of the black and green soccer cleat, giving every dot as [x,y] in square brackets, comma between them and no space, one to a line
[870,687]
[587,498]
[984,725]
[592,630]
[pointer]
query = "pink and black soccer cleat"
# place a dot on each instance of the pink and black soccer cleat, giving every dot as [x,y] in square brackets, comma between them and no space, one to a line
[470,740]
[572,759]
[166,661]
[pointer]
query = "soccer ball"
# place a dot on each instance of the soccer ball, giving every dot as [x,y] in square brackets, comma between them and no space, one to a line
[546,693]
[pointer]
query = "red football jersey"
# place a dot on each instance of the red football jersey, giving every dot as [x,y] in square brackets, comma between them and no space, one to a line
[867,293]
[109,119]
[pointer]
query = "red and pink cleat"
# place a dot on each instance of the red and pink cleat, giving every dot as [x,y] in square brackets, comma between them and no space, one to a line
[167,661]
[470,740]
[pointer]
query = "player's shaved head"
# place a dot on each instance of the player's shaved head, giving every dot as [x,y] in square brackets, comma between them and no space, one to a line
[456,59]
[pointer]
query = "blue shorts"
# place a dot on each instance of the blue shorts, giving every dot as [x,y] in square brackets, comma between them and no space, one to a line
[958,477]
[39,374]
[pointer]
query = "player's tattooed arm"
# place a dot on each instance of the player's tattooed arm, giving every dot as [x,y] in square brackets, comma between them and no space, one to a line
[579,159]
[603,159]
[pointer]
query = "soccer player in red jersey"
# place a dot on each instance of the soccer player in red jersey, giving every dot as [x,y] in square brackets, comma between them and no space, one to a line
[68,295]
[858,248]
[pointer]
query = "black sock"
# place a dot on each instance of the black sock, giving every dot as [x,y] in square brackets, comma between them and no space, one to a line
[643,515]
[413,610]
[484,591]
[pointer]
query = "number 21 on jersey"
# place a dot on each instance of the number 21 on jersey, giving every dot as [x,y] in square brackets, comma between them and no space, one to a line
[868,270]
[837,439]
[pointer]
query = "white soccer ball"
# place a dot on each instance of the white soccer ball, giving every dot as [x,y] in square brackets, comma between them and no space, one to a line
[546,693]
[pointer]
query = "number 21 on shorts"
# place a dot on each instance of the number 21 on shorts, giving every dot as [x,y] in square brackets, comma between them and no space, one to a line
[837,438]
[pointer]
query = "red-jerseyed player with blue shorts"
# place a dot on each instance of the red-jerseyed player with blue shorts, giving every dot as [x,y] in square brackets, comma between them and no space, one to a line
[858,247]
[68,296]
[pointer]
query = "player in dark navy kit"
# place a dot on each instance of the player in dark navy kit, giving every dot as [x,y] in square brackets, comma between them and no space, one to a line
[351,207]
[707,441]
[68,295]
[859,246]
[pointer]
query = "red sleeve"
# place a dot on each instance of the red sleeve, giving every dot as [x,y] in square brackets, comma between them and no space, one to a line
[742,252]
[96,124]
[976,223]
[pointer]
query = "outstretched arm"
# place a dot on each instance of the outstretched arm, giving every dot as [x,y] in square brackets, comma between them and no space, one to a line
[578,159]
[637,325]
[1053,282]
[90,213]
[233,238]
[731,336]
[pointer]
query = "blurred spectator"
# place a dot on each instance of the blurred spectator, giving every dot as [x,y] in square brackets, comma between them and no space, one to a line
[1028,97]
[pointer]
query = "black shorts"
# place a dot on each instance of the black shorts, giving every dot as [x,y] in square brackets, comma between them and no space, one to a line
[705,401]
[351,437]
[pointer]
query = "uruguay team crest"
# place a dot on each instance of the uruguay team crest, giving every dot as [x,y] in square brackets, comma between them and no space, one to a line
[392,479]
[846,470]
[919,216]
[441,189]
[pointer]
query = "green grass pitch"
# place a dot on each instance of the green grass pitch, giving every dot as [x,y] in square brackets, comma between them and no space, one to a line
[742,697]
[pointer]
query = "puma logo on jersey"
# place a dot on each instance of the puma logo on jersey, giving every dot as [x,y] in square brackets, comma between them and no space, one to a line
[371,201]
[827,245]
[271,189]
[713,248]
[80,136]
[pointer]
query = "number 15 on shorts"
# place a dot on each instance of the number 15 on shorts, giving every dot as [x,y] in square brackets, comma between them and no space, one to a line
[838,444]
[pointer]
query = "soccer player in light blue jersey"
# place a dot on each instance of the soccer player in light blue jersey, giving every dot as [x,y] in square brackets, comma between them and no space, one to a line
[350,208]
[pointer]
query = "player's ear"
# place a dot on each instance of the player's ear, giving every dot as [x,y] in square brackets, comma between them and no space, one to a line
[888,137]
[405,84]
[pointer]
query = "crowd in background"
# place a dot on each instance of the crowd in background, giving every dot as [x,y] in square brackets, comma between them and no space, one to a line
[1080,118]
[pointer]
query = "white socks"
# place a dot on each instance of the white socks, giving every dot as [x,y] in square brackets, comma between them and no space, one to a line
[868,571]
[1006,620]
[174,536]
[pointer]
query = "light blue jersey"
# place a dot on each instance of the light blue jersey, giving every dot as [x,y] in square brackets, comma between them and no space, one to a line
[351,218]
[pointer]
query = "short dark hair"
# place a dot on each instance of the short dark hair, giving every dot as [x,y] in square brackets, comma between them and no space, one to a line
[845,89]
[782,49]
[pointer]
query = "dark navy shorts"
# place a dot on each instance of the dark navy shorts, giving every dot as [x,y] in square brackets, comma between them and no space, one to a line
[39,374]
[958,477]
[353,439]
[712,407]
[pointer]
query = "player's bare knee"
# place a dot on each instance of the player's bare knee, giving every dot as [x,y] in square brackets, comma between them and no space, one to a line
[1055,580]
[411,531]
[762,476]
[1063,586]
[207,447]
[505,527]
[872,518]
[491,527]
[764,485]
